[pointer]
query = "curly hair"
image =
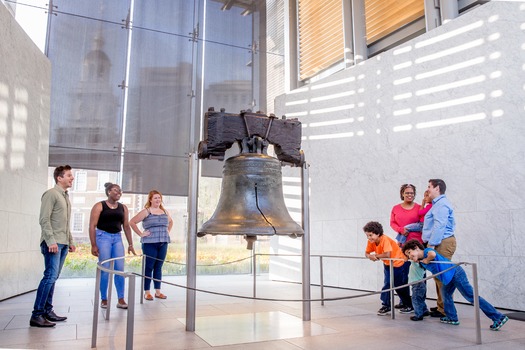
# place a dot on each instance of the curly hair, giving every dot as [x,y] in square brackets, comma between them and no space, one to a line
[374,227]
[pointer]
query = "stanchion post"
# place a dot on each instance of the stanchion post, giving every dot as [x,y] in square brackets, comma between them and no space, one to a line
[96,301]
[321,279]
[305,182]
[142,279]
[392,308]
[254,263]
[131,312]
[110,288]
[191,248]
[476,303]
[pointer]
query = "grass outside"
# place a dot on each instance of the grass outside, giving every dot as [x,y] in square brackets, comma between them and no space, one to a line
[211,260]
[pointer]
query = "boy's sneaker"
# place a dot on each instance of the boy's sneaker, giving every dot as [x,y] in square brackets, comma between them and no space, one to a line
[399,306]
[384,310]
[498,324]
[448,321]
[416,318]
[407,310]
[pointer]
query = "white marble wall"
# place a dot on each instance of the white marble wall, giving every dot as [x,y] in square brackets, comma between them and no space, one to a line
[25,75]
[448,104]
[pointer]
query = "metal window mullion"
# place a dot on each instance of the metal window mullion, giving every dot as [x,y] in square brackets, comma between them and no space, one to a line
[359,31]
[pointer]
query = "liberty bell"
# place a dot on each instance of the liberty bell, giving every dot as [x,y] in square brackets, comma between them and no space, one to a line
[251,202]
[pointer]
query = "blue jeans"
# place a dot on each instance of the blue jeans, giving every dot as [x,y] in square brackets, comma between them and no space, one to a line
[460,281]
[110,246]
[419,295]
[53,263]
[400,278]
[153,268]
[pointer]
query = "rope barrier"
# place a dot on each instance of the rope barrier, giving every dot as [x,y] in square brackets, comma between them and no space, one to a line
[133,275]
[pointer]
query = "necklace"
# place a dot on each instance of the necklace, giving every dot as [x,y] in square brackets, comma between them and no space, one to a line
[112,206]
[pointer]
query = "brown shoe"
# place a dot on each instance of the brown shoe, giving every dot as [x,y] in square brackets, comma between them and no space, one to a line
[148,296]
[160,296]
[40,321]
[122,305]
[104,304]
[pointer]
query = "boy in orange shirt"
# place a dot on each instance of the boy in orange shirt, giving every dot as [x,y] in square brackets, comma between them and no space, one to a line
[383,247]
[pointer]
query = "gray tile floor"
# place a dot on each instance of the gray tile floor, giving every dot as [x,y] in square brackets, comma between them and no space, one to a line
[234,323]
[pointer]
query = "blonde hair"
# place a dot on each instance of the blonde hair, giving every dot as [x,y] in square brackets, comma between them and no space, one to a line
[150,197]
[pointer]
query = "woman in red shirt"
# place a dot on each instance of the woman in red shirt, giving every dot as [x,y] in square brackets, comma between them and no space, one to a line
[406,212]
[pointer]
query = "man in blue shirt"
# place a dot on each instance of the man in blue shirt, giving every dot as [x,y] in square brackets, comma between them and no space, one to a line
[438,231]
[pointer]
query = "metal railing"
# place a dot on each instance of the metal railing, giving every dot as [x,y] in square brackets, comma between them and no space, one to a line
[132,283]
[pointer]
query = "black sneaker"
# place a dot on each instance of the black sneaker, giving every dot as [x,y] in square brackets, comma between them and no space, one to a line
[399,306]
[436,314]
[415,318]
[407,310]
[384,310]
[433,309]
[426,313]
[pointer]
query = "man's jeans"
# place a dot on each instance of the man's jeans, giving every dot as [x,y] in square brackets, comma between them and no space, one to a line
[419,294]
[460,281]
[110,246]
[53,263]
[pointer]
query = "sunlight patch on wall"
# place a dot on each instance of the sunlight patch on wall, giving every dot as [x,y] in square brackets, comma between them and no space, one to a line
[451,103]
[402,112]
[456,84]
[399,128]
[333,96]
[332,109]
[332,122]
[449,34]
[402,50]
[294,103]
[402,96]
[450,121]
[451,68]
[401,81]
[450,51]
[403,65]
[497,113]
[331,136]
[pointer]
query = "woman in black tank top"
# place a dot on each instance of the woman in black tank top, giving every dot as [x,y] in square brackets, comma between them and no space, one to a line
[106,222]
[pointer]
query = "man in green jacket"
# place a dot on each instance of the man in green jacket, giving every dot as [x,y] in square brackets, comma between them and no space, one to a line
[56,241]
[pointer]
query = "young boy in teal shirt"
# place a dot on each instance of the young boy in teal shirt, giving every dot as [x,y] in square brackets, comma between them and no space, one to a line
[453,279]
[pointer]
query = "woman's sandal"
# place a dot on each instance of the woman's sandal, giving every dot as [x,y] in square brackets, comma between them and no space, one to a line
[148,296]
[160,296]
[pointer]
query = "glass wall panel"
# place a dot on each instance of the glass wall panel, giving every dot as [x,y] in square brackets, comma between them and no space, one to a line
[228,64]
[87,47]
[227,58]
[159,97]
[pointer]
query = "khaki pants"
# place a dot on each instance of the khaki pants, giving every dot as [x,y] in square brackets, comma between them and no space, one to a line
[447,248]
